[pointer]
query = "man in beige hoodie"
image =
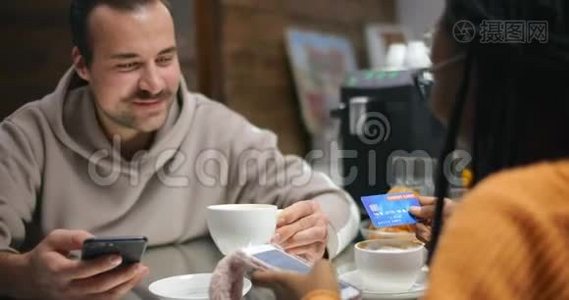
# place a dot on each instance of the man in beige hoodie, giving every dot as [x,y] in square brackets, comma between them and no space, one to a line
[121,147]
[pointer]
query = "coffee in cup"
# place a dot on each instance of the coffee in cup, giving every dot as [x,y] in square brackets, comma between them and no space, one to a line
[389,265]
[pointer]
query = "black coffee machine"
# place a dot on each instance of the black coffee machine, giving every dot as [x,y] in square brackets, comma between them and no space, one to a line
[388,126]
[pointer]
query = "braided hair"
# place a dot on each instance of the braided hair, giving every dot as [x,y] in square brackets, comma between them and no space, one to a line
[521,97]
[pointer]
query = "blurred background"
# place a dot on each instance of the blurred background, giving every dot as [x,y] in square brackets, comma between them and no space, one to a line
[286,65]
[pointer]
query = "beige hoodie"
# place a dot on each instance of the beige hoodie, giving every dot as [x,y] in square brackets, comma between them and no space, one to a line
[58,170]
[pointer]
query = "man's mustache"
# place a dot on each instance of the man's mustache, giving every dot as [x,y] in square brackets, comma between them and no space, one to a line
[145,95]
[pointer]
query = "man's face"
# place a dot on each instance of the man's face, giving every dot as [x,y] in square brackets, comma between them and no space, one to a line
[134,72]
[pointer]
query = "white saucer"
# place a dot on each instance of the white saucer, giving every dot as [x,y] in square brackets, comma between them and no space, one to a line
[416,291]
[187,287]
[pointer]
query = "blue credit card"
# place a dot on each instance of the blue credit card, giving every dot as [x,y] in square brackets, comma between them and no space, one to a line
[390,209]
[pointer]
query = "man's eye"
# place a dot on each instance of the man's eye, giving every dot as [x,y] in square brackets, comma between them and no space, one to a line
[127,66]
[164,60]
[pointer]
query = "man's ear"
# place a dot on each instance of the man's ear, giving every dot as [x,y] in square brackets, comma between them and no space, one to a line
[80,64]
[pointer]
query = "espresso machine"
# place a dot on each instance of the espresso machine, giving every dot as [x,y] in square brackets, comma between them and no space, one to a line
[389,137]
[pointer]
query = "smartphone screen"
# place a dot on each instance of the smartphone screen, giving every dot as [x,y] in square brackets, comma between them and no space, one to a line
[278,259]
[283,261]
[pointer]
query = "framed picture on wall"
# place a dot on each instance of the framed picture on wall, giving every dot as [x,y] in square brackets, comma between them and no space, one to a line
[319,63]
[378,39]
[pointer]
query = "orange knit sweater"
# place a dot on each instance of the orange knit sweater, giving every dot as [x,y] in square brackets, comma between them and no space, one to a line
[509,239]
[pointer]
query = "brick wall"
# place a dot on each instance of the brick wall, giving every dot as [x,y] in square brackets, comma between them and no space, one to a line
[258,81]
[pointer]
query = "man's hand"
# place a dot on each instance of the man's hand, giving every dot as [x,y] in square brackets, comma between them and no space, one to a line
[287,285]
[426,213]
[53,275]
[302,230]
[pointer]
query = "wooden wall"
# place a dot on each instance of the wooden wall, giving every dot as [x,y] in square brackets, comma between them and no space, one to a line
[258,81]
[35,51]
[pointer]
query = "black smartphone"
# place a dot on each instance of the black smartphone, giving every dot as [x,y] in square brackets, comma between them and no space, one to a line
[130,248]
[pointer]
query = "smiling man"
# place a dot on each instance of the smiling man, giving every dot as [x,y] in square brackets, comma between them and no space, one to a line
[121,148]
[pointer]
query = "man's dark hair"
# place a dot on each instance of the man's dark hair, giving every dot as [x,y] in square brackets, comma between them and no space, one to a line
[79,15]
[521,97]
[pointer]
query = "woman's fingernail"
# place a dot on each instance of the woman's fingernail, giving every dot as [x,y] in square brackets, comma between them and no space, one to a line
[414,209]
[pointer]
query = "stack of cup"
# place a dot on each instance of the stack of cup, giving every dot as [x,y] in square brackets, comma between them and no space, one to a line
[414,55]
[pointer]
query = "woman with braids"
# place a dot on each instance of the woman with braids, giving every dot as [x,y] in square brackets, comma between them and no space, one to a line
[509,102]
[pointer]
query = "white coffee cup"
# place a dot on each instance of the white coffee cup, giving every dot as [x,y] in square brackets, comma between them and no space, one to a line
[234,226]
[389,265]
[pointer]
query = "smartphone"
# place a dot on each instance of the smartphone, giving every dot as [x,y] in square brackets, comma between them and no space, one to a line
[274,257]
[130,248]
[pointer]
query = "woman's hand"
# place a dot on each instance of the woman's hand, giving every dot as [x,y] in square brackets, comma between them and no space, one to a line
[287,285]
[426,213]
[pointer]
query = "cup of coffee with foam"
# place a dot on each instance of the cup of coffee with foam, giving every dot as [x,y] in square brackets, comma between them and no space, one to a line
[389,265]
[234,226]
